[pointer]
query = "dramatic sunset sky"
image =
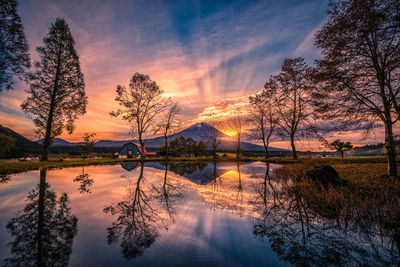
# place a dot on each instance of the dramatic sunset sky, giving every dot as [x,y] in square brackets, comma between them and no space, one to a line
[206,55]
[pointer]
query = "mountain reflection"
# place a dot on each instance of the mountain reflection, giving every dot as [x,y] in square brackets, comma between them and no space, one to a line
[307,225]
[44,230]
[140,216]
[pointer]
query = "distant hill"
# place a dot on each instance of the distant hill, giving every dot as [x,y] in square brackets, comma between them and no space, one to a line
[59,142]
[23,146]
[199,132]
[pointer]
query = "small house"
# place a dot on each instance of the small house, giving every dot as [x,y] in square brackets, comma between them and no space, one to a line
[132,150]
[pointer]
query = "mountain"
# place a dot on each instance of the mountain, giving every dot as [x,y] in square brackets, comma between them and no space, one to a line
[110,143]
[23,146]
[60,142]
[199,132]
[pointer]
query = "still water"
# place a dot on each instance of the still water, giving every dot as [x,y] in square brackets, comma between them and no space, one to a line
[205,214]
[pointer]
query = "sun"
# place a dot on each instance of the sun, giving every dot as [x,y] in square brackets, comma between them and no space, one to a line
[230,133]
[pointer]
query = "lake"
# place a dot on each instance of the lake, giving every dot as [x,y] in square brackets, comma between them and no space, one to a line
[181,214]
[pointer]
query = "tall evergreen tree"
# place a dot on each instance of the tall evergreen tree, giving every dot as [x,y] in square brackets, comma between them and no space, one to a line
[14,54]
[57,87]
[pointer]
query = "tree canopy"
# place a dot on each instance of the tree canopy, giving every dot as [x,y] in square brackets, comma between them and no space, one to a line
[358,73]
[14,50]
[139,104]
[57,88]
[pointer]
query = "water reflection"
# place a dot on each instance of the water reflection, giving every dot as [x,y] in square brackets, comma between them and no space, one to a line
[44,230]
[308,225]
[4,179]
[85,182]
[139,217]
[170,194]
[197,214]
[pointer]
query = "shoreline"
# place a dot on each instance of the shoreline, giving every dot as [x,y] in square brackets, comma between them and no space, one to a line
[11,167]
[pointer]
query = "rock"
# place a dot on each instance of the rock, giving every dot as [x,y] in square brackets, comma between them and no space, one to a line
[325,176]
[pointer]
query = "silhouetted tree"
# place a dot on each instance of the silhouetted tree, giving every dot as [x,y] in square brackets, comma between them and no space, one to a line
[264,119]
[7,143]
[14,50]
[214,137]
[169,124]
[200,149]
[57,88]
[182,146]
[358,74]
[90,142]
[44,230]
[140,104]
[236,123]
[290,93]
[340,146]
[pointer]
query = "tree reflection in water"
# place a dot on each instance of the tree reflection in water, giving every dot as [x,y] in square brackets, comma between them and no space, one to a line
[239,195]
[307,225]
[138,218]
[169,194]
[85,182]
[216,188]
[4,179]
[44,230]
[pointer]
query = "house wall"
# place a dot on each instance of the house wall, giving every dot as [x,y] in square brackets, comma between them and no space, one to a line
[124,150]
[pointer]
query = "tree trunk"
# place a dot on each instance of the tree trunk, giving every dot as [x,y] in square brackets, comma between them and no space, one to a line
[238,147]
[166,146]
[390,149]
[39,239]
[342,153]
[141,146]
[266,149]
[45,147]
[47,138]
[293,146]
[214,152]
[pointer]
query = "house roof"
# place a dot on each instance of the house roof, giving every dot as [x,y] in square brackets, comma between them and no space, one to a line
[139,147]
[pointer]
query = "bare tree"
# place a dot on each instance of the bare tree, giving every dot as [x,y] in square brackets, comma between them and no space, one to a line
[57,87]
[340,146]
[290,93]
[14,50]
[214,137]
[359,73]
[168,125]
[236,123]
[264,119]
[140,104]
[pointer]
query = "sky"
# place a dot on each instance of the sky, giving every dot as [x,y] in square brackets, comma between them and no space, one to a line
[206,55]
